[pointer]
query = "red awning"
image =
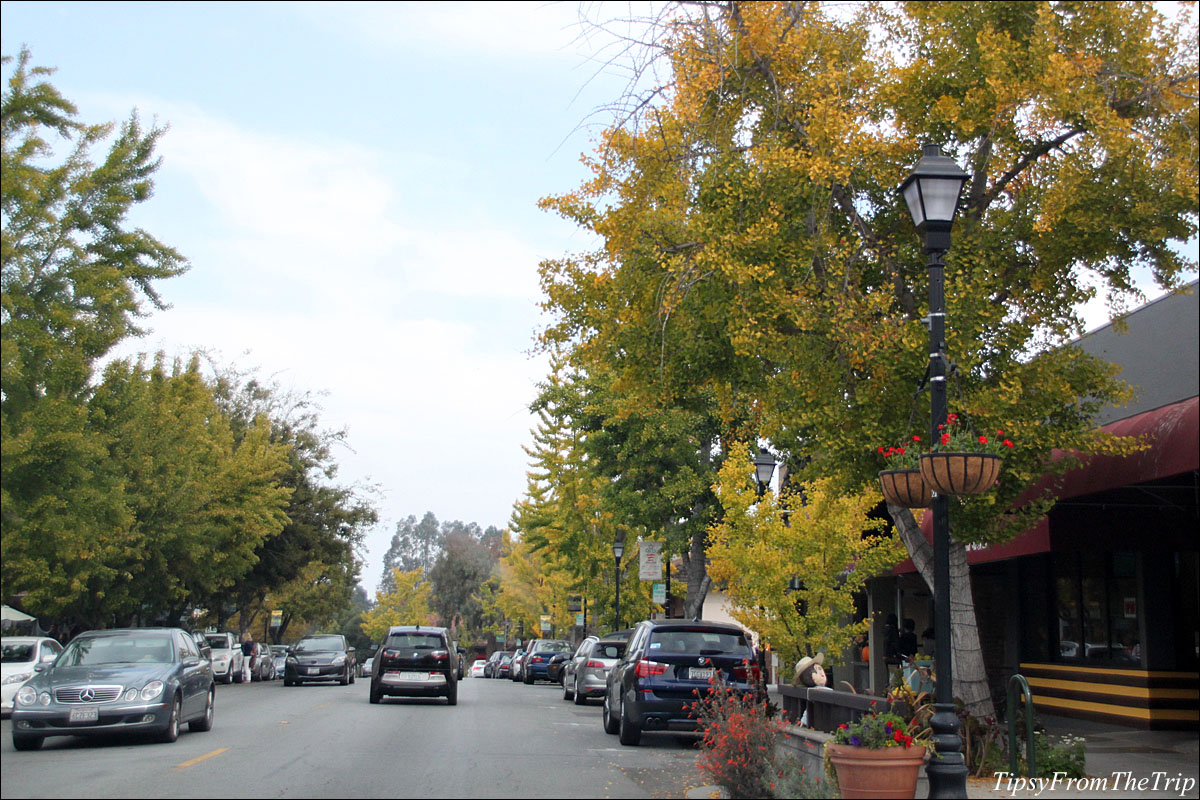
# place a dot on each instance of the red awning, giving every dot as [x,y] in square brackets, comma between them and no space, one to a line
[1173,435]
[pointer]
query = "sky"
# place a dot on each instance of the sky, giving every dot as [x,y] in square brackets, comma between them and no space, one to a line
[355,186]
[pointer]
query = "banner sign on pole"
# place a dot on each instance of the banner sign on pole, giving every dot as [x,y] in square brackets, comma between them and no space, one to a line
[276,619]
[660,593]
[545,619]
[649,561]
[579,620]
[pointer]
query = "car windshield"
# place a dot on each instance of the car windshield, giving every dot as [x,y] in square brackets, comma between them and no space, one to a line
[553,646]
[313,644]
[219,642]
[414,640]
[90,651]
[698,641]
[279,650]
[16,653]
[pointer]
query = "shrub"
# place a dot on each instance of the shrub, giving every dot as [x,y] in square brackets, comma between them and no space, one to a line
[739,741]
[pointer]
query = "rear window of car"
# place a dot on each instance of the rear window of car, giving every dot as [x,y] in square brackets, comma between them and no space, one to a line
[415,640]
[553,646]
[608,649]
[698,641]
[219,642]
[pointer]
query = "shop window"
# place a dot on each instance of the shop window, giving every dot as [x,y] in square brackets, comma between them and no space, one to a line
[1098,613]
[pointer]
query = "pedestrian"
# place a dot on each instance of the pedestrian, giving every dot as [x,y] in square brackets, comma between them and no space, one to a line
[906,647]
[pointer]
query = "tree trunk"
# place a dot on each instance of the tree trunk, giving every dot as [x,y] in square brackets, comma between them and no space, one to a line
[698,580]
[970,676]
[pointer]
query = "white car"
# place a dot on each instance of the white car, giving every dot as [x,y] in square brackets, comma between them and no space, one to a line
[228,663]
[366,667]
[477,668]
[20,655]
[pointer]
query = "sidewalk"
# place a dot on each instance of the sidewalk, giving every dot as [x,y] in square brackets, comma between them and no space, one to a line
[1121,762]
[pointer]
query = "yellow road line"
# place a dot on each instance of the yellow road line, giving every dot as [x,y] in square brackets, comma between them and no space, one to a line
[196,761]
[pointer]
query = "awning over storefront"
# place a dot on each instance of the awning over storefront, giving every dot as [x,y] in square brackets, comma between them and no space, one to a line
[1173,435]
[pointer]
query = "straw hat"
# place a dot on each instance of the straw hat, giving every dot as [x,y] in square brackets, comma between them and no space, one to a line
[807,662]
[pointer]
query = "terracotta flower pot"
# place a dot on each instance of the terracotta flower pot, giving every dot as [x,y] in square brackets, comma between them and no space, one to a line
[887,772]
[960,473]
[905,487]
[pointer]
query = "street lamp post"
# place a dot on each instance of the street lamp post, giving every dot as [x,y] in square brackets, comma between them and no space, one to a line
[932,192]
[618,551]
[764,468]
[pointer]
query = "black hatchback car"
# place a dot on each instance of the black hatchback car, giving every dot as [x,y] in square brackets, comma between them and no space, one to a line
[667,665]
[415,661]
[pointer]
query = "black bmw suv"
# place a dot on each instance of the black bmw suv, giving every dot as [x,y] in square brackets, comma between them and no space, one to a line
[667,665]
[415,661]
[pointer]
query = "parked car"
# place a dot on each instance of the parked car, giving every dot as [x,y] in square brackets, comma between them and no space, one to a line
[320,657]
[104,682]
[415,661]
[518,660]
[18,656]
[665,664]
[477,668]
[202,645]
[367,666]
[504,666]
[537,663]
[462,661]
[279,654]
[585,674]
[261,666]
[228,662]
[492,670]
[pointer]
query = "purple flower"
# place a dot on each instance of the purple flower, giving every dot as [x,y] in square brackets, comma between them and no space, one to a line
[854,740]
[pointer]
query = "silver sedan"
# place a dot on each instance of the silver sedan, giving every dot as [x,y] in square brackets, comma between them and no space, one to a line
[586,674]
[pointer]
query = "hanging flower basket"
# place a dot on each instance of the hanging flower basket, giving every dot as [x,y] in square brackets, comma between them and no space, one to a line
[960,473]
[906,488]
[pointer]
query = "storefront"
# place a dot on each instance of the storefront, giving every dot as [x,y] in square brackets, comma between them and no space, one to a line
[1098,605]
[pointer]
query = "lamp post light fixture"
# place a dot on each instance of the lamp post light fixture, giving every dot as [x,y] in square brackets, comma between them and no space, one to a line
[618,551]
[764,468]
[932,193]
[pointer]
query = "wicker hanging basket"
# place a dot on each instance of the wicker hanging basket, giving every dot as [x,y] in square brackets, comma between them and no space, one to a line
[960,473]
[906,488]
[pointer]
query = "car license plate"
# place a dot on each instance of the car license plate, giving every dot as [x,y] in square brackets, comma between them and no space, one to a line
[84,715]
[414,676]
[313,670]
[701,674]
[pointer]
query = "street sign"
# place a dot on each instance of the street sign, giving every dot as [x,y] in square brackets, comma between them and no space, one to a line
[276,619]
[649,561]
[545,619]
[579,620]
[660,593]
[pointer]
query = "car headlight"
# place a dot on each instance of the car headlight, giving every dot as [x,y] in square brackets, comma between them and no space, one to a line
[44,698]
[20,677]
[27,695]
[131,695]
[152,690]
[338,661]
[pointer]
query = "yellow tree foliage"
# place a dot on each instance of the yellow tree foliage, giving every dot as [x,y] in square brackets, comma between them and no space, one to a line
[406,604]
[828,542]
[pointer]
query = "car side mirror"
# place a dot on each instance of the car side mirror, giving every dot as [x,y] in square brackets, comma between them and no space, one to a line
[41,667]
[191,661]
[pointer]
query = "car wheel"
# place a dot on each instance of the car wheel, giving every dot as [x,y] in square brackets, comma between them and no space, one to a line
[567,693]
[345,679]
[27,742]
[288,681]
[376,695]
[452,694]
[171,732]
[610,725]
[205,722]
[528,678]
[579,697]
[630,734]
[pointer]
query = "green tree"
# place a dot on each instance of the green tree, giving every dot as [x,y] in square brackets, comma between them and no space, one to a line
[414,545]
[73,275]
[755,250]
[464,564]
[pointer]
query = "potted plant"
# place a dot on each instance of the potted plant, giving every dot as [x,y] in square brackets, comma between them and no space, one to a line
[876,757]
[962,462]
[901,481]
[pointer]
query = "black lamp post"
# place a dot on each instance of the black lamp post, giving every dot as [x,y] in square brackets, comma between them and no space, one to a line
[764,468]
[932,192]
[618,551]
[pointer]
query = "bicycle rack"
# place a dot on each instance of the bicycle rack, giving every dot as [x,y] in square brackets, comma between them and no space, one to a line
[1017,683]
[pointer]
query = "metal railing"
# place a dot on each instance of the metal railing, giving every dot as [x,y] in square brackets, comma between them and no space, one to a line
[1018,685]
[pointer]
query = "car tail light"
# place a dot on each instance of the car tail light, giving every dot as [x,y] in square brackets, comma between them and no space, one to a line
[440,655]
[391,653]
[536,660]
[647,668]
[594,664]
[740,674]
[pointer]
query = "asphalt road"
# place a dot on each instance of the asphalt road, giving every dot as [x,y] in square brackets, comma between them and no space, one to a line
[503,739]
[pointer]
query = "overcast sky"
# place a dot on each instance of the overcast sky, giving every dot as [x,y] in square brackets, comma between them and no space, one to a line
[355,186]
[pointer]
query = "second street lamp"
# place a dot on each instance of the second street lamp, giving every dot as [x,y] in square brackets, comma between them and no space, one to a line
[618,551]
[764,468]
[932,192]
